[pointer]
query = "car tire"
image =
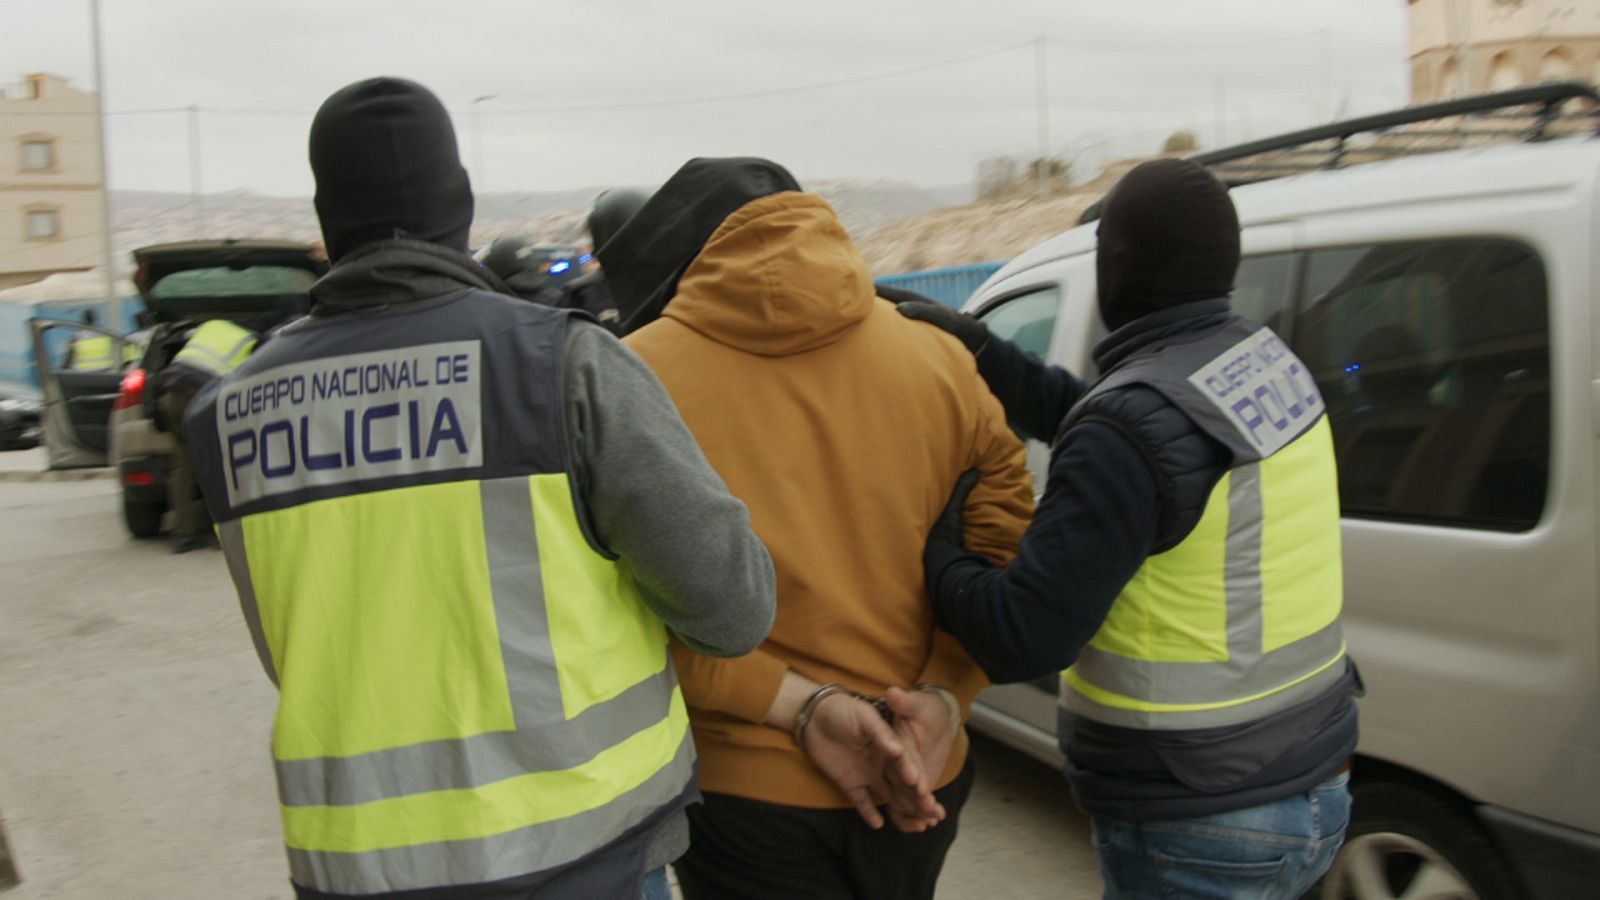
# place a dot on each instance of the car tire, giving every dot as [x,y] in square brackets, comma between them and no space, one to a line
[1405,840]
[144,519]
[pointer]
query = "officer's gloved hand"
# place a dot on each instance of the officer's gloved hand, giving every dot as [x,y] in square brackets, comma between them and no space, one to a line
[950,528]
[969,331]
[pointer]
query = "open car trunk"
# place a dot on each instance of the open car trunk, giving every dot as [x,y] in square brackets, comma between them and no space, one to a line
[238,279]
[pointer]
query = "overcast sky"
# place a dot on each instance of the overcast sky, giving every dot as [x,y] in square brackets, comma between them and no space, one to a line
[600,92]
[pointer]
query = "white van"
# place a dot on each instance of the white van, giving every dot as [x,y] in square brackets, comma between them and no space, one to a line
[1447,304]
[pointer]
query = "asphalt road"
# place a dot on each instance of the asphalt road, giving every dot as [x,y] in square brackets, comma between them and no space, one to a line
[134,721]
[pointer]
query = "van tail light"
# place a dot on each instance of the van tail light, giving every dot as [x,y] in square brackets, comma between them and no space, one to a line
[131,392]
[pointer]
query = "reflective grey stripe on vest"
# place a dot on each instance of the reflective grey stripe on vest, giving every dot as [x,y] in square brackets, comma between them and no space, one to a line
[1247,672]
[233,550]
[478,760]
[531,849]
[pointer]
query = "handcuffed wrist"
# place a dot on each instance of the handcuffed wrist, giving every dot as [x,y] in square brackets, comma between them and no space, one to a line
[808,709]
[952,705]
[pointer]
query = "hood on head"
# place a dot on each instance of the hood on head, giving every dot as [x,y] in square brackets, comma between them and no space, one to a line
[384,156]
[612,210]
[779,277]
[644,260]
[1168,234]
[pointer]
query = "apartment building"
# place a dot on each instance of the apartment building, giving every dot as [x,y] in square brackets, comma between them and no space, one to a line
[50,180]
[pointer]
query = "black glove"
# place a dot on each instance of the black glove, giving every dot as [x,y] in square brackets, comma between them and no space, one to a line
[945,553]
[969,331]
[950,528]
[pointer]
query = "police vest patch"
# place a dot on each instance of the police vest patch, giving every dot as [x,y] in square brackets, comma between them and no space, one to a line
[349,418]
[1262,389]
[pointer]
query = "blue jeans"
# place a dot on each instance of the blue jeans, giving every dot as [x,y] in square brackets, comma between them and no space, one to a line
[655,885]
[1274,850]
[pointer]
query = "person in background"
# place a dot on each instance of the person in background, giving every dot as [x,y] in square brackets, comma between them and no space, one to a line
[215,348]
[90,351]
[843,427]
[590,292]
[461,527]
[1183,567]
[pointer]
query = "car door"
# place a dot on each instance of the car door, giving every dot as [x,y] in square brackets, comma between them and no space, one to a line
[78,391]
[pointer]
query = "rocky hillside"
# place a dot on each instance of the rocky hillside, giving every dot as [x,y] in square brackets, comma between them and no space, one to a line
[983,232]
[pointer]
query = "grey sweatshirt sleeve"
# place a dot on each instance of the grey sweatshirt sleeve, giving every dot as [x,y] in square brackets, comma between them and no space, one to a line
[654,500]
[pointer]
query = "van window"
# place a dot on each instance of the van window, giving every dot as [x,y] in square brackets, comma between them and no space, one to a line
[1434,360]
[1261,293]
[1027,320]
[1262,289]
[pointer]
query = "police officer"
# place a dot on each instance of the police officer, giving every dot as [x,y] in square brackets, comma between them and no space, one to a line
[461,526]
[1183,566]
[91,351]
[215,348]
[592,292]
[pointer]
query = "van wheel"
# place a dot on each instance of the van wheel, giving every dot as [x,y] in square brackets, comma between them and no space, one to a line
[144,519]
[1404,841]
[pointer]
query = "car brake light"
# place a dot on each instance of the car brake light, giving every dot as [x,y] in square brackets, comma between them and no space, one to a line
[131,392]
[138,478]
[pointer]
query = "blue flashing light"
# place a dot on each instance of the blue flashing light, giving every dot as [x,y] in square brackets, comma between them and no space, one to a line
[556,268]
[1353,367]
[584,259]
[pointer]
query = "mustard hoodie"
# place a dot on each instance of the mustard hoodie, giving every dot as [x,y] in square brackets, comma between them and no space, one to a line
[843,426]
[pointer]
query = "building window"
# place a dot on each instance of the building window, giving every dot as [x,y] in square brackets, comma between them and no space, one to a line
[43,224]
[1557,65]
[1504,73]
[38,156]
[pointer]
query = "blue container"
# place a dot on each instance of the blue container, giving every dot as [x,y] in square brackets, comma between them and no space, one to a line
[950,286]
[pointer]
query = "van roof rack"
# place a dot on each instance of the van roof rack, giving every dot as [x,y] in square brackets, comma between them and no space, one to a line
[1291,154]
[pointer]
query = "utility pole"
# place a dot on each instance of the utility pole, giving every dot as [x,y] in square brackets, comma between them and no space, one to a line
[1219,110]
[1042,94]
[105,171]
[479,174]
[1325,50]
[196,192]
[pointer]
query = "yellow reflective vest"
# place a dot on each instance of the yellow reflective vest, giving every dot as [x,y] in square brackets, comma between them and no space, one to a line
[216,347]
[471,689]
[92,352]
[1241,618]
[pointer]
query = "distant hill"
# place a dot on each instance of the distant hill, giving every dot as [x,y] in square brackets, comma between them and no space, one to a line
[149,217]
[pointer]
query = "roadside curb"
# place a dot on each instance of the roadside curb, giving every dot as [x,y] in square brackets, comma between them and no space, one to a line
[61,475]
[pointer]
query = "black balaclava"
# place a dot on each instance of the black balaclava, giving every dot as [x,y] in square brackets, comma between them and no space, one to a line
[612,210]
[645,259]
[1168,234]
[384,156]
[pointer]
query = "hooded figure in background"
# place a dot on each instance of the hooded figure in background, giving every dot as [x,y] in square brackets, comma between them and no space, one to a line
[592,292]
[442,473]
[843,427]
[1183,567]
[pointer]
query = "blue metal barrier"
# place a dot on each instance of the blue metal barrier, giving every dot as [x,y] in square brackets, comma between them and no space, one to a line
[950,286]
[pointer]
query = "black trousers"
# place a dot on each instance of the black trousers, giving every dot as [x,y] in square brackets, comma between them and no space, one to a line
[741,848]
